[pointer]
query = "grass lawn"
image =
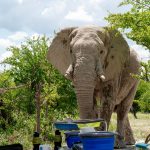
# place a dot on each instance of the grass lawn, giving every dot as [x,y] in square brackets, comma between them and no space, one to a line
[140,126]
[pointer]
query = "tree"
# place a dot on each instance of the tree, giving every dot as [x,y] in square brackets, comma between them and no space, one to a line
[6,106]
[40,81]
[145,71]
[135,23]
[142,96]
[29,66]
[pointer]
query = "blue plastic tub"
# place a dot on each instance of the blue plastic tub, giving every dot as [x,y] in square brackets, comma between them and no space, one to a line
[72,138]
[97,140]
[142,146]
[66,126]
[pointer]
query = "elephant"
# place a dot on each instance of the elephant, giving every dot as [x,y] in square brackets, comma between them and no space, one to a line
[101,66]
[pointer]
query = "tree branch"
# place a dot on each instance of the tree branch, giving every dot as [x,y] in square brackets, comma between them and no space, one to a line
[4,90]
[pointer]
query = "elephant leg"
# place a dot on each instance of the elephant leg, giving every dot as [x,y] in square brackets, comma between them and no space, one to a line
[122,118]
[107,103]
[129,138]
[95,105]
[106,113]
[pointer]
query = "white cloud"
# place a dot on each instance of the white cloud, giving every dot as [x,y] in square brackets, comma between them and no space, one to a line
[20,1]
[45,16]
[143,54]
[79,15]
[18,36]
[53,9]
[46,11]
[5,55]
[96,1]
[2,58]
[5,43]
[34,35]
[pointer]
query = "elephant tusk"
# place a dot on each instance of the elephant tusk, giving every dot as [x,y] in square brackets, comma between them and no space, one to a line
[102,77]
[69,72]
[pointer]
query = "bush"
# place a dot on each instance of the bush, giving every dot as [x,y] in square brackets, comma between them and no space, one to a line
[143,97]
[136,105]
[145,102]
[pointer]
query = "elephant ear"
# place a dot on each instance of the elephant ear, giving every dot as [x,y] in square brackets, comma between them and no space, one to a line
[118,54]
[59,50]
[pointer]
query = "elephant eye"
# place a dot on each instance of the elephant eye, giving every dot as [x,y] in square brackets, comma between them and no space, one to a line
[112,46]
[101,52]
[112,57]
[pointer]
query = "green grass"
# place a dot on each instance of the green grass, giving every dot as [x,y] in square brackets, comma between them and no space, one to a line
[140,126]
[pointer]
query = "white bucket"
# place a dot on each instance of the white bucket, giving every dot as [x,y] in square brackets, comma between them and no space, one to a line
[87,129]
[45,147]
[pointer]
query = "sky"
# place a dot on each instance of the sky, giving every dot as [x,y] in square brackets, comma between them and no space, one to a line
[20,19]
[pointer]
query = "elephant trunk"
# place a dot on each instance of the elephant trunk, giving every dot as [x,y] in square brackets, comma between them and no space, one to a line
[85,101]
[84,79]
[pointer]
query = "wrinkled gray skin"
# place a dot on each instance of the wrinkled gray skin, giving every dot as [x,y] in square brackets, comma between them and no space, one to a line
[99,63]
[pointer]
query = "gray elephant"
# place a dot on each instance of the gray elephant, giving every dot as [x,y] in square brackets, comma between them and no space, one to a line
[100,64]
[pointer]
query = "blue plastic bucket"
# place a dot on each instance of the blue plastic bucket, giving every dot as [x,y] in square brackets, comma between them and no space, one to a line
[66,126]
[142,146]
[97,140]
[72,138]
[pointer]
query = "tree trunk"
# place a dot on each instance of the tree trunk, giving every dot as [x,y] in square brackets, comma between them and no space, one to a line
[38,106]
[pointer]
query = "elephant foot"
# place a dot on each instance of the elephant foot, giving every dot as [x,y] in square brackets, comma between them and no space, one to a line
[119,142]
[130,141]
[129,138]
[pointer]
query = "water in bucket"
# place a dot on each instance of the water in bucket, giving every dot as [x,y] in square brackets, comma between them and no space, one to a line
[45,147]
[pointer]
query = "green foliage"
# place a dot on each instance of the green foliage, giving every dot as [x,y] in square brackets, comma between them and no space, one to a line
[145,71]
[66,97]
[136,21]
[145,101]
[6,101]
[28,63]
[136,106]
[143,96]
[21,132]
[29,67]
[142,88]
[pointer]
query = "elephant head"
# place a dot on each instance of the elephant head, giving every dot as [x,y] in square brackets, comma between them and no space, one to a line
[85,54]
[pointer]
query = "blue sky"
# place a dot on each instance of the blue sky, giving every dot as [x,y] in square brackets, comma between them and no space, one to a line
[25,18]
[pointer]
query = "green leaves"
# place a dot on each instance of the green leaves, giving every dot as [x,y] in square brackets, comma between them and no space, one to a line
[28,63]
[135,23]
[143,96]
[138,5]
[145,71]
